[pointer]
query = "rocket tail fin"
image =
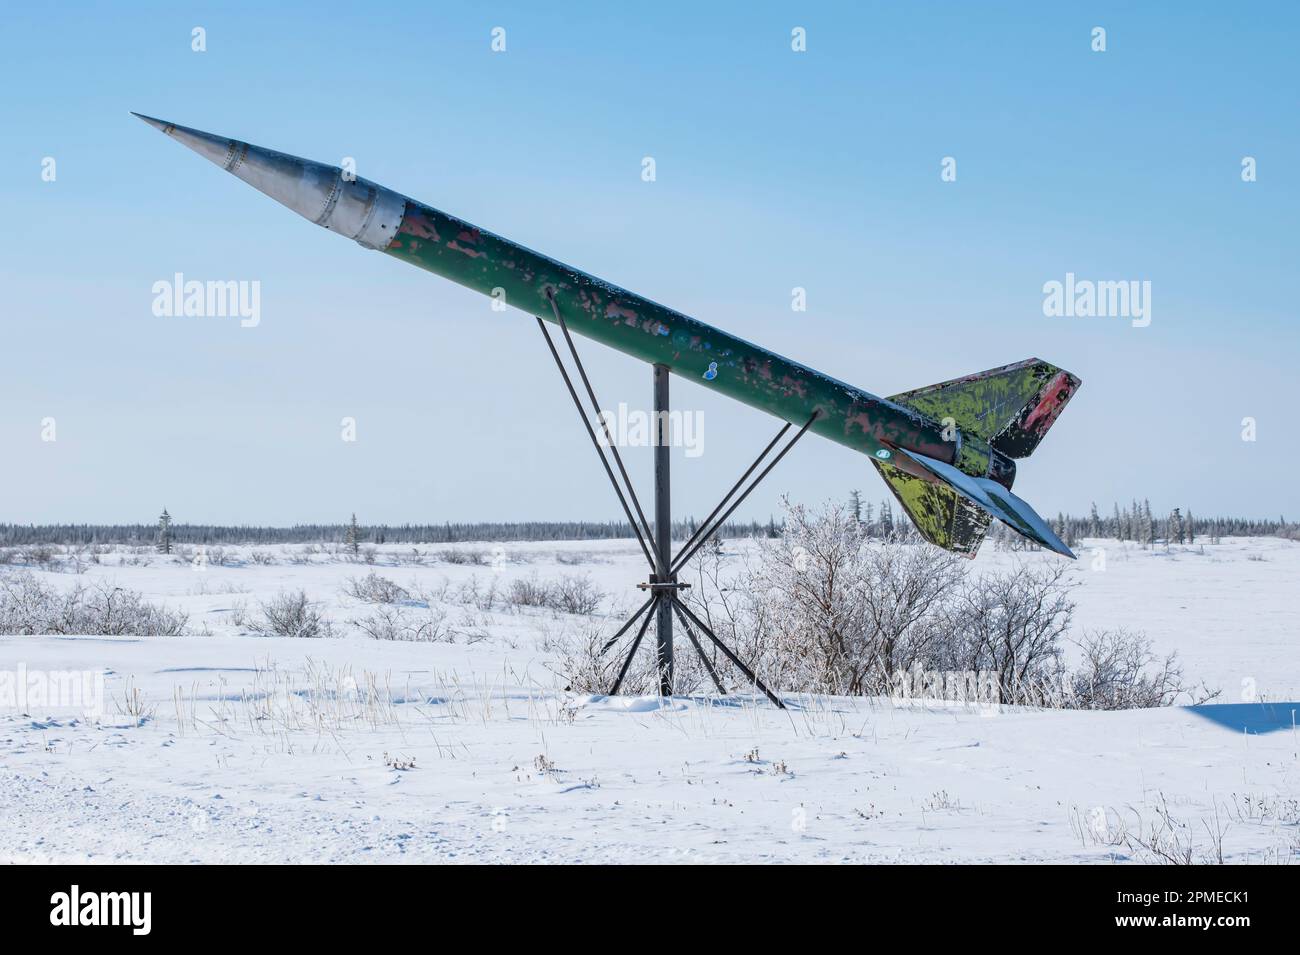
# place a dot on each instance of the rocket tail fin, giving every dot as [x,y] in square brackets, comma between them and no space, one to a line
[950,521]
[1009,407]
[940,514]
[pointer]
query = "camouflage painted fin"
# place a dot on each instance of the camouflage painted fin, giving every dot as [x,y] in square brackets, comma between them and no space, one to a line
[995,499]
[943,517]
[1010,407]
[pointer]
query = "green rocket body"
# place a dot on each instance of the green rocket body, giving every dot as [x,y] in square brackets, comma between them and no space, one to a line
[636,326]
[947,451]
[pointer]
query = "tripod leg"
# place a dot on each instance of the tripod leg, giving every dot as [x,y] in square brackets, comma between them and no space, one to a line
[686,624]
[595,407]
[749,674]
[618,488]
[627,626]
[645,625]
[687,553]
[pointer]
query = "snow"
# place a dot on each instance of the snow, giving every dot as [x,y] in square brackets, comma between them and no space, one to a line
[348,749]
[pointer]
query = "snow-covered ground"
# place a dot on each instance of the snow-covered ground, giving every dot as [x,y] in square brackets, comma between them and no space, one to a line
[229,747]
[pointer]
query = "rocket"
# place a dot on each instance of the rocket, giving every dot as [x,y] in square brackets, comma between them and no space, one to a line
[948,451]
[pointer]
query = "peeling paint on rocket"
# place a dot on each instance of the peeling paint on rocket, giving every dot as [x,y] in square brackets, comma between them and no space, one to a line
[656,334]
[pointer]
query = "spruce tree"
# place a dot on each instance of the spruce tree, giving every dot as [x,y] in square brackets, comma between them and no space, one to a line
[164,532]
[1176,527]
[353,539]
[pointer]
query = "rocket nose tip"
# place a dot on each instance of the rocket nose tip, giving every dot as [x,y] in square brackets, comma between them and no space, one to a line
[217,149]
[158,124]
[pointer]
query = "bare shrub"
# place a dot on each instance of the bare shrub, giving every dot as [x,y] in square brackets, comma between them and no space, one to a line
[584,669]
[579,558]
[29,607]
[474,594]
[375,589]
[42,555]
[530,592]
[1119,672]
[436,594]
[576,595]
[569,594]
[470,629]
[1010,624]
[825,609]
[290,614]
[472,556]
[396,623]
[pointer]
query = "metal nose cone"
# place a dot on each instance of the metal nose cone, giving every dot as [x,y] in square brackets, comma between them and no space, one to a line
[217,149]
[342,203]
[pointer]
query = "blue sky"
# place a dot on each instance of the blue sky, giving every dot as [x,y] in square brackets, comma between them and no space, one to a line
[775,169]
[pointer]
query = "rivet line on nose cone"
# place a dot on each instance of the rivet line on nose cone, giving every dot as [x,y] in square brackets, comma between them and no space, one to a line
[330,201]
[235,156]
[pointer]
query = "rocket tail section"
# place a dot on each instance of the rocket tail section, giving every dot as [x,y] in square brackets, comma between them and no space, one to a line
[1010,408]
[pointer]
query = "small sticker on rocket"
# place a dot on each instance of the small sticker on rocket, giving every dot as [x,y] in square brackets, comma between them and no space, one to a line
[883,454]
[712,372]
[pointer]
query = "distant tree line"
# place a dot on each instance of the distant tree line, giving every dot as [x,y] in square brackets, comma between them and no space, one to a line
[1137,522]
[164,533]
[1134,521]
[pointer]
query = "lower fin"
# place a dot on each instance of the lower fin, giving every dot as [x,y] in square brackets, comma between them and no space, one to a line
[941,515]
[989,496]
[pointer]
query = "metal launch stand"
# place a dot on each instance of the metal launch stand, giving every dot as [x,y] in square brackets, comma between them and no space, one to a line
[656,543]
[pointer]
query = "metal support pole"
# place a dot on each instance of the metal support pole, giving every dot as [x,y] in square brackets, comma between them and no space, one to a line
[663,530]
[663,602]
